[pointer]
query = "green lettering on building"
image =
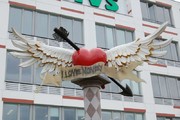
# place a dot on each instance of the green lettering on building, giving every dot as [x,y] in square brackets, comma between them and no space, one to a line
[79,1]
[95,3]
[112,5]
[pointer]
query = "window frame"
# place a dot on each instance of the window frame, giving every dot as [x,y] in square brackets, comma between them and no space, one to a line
[61,111]
[169,59]
[34,19]
[167,86]
[171,23]
[114,36]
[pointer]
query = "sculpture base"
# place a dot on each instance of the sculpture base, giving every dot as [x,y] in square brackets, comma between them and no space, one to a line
[92,100]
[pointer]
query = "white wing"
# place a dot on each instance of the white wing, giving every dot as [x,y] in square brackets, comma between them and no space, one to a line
[137,51]
[51,58]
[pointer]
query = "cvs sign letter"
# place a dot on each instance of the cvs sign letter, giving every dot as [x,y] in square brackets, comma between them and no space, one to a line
[111,4]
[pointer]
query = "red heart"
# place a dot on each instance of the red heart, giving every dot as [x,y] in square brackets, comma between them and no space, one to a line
[88,57]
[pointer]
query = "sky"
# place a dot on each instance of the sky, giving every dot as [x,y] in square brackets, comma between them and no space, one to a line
[177,0]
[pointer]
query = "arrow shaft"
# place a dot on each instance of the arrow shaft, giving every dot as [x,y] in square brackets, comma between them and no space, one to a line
[65,38]
[118,84]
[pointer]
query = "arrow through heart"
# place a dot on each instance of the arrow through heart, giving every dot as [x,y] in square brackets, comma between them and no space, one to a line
[85,57]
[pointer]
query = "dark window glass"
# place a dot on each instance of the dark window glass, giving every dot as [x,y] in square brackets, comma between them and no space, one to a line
[167,15]
[129,36]
[174,52]
[100,36]
[41,24]
[178,84]
[144,10]
[120,36]
[41,113]
[173,87]
[108,37]
[116,116]
[129,116]
[154,13]
[165,86]
[106,115]
[12,68]
[139,117]
[80,115]
[15,18]
[24,112]
[69,114]
[27,23]
[160,118]
[10,112]
[77,32]
[151,8]
[160,14]
[26,75]
[54,113]
[53,23]
[155,85]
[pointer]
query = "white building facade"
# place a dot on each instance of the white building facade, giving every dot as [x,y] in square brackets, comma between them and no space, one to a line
[91,23]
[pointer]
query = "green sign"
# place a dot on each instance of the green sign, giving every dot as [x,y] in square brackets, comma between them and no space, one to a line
[111,4]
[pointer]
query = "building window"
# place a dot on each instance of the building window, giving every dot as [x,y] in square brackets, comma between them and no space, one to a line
[155,13]
[12,74]
[24,112]
[27,75]
[40,112]
[10,112]
[80,114]
[115,115]
[172,53]
[54,113]
[167,118]
[171,58]
[165,88]
[73,114]
[17,74]
[27,22]
[41,24]
[15,18]
[106,115]
[69,114]
[129,116]
[108,37]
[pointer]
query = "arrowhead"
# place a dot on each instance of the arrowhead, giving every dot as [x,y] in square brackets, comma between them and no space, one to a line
[127,91]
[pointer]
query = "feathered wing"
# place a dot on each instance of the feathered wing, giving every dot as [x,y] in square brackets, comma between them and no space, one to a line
[49,57]
[122,56]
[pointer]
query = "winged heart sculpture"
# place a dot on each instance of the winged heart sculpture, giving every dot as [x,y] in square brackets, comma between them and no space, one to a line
[117,62]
